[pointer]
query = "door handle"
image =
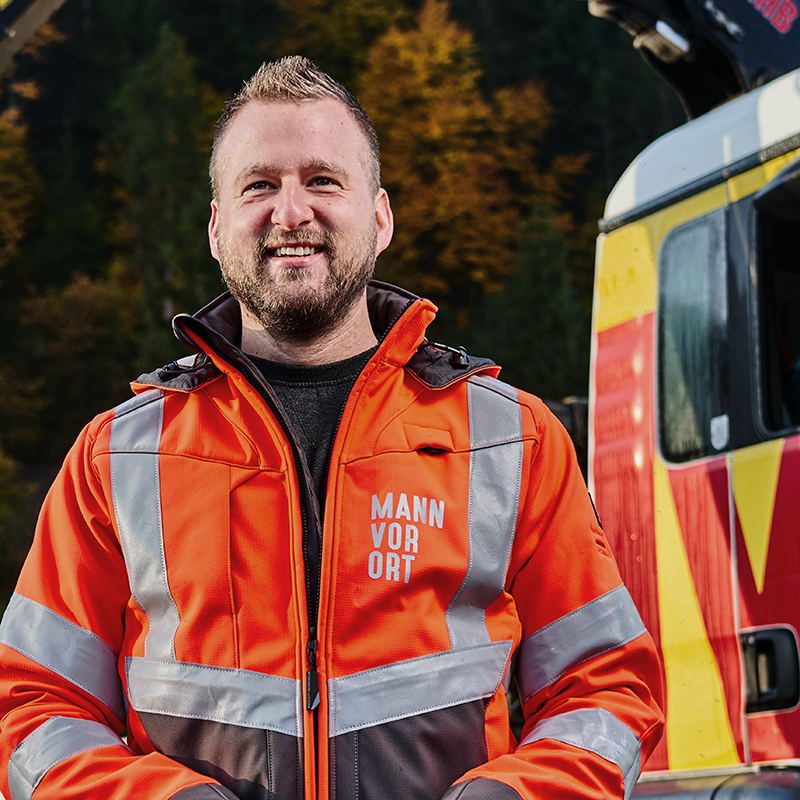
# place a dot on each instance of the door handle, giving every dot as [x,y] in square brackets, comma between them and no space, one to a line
[771,669]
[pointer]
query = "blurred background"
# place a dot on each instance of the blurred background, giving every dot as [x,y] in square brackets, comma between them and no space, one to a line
[503,125]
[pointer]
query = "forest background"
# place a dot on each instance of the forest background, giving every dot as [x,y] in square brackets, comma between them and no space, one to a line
[503,125]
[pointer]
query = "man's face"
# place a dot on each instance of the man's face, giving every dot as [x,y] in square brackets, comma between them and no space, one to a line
[296,227]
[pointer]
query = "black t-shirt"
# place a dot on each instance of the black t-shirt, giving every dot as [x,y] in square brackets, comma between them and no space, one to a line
[313,398]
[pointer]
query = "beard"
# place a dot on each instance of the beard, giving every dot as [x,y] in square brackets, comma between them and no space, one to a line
[287,303]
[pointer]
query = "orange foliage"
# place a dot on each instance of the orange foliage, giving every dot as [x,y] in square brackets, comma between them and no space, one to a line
[461,170]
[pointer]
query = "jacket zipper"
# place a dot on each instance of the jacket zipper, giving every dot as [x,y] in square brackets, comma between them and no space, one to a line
[312,559]
[312,677]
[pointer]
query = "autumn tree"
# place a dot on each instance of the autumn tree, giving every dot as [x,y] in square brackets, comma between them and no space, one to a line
[607,102]
[462,168]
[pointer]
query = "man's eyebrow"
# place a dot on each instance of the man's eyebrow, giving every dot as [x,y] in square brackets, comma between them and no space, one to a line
[263,168]
[273,168]
[322,165]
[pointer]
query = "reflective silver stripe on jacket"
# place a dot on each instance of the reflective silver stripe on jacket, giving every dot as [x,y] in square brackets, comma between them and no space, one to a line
[135,489]
[51,743]
[598,731]
[415,686]
[604,624]
[74,653]
[495,429]
[218,694]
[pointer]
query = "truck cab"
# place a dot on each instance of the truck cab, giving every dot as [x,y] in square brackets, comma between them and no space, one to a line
[694,443]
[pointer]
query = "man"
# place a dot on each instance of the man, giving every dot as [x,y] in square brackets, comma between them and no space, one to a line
[310,560]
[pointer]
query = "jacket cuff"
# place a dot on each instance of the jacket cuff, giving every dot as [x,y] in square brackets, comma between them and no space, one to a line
[481,789]
[205,791]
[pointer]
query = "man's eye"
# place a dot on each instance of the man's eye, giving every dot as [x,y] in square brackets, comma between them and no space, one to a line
[323,181]
[256,186]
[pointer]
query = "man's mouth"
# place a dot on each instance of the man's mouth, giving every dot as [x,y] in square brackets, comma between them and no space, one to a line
[297,250]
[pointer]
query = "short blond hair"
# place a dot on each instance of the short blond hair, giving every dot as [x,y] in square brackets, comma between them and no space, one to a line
[292,79]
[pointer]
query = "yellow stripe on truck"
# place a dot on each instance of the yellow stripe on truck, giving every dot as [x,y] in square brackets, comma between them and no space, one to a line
[699,734]
[755,483]
[751,181]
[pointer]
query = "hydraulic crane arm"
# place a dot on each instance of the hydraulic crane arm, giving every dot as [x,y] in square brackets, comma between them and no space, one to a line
[710,50]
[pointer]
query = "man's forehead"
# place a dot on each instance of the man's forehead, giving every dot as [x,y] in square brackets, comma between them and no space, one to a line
[257,117]
[263,114]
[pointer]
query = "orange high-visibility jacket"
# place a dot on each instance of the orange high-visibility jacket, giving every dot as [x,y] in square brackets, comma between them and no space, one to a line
[186,627]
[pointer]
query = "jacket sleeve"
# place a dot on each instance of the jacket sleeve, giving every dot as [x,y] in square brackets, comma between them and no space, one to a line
[587,671]
[62,703]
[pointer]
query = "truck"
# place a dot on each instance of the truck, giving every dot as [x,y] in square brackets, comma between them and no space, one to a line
[694,396]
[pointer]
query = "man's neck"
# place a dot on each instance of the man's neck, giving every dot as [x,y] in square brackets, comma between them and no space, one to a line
[352,336]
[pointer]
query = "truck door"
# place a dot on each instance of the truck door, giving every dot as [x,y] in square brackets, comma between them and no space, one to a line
[660,442]
[697,585]
[765,464]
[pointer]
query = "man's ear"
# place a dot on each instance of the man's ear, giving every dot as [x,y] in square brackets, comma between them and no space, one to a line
[384,219]
[213,230]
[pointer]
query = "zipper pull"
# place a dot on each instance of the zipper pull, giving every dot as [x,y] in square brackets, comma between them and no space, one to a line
[312,678]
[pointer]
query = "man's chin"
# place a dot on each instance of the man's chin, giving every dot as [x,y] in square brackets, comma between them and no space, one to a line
[299,325]
[297,313]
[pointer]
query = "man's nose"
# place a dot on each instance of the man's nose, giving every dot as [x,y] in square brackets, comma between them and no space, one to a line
[292,207]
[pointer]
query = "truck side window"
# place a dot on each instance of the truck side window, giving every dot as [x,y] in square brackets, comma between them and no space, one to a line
[778,252]
[692,340]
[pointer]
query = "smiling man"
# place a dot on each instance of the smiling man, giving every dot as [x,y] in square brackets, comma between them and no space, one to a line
[311,559]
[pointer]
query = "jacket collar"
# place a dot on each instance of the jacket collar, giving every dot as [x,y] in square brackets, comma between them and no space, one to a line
[399,319]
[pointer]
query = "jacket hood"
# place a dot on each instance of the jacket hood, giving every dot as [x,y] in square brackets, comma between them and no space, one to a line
[398,317]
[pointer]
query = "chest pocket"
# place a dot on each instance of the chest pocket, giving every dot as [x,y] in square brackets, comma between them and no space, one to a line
[432,440]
